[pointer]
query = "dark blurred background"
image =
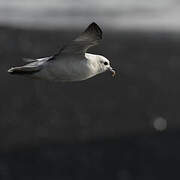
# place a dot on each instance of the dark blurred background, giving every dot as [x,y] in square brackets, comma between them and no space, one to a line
[126,128]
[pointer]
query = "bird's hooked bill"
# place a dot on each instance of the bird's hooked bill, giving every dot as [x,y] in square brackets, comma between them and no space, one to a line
[112,71]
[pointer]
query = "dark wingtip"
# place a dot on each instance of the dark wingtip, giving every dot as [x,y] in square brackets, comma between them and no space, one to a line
[94,24]
[95,28]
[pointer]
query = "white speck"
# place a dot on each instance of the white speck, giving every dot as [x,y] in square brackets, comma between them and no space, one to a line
[160,123]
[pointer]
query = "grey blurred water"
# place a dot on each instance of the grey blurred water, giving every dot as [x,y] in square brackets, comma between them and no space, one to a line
[123,14]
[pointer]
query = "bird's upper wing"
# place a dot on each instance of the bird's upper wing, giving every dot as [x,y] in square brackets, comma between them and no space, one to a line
[90,37]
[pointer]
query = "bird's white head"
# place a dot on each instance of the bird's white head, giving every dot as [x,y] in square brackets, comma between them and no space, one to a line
[104,65]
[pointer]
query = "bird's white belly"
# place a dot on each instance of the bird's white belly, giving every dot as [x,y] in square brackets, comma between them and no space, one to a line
[66,71]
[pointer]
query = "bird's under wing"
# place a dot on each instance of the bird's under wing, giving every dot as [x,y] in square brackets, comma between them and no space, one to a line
[34,65]
[90,37]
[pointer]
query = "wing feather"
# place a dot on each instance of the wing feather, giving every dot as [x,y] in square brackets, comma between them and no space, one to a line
[90,37]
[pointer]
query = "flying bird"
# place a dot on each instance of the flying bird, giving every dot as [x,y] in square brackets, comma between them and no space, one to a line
[71,63]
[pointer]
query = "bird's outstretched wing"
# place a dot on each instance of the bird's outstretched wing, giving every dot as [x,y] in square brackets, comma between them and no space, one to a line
[90,37]
[34,65]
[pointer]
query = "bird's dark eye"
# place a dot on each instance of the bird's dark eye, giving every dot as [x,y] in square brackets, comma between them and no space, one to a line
[105,63]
